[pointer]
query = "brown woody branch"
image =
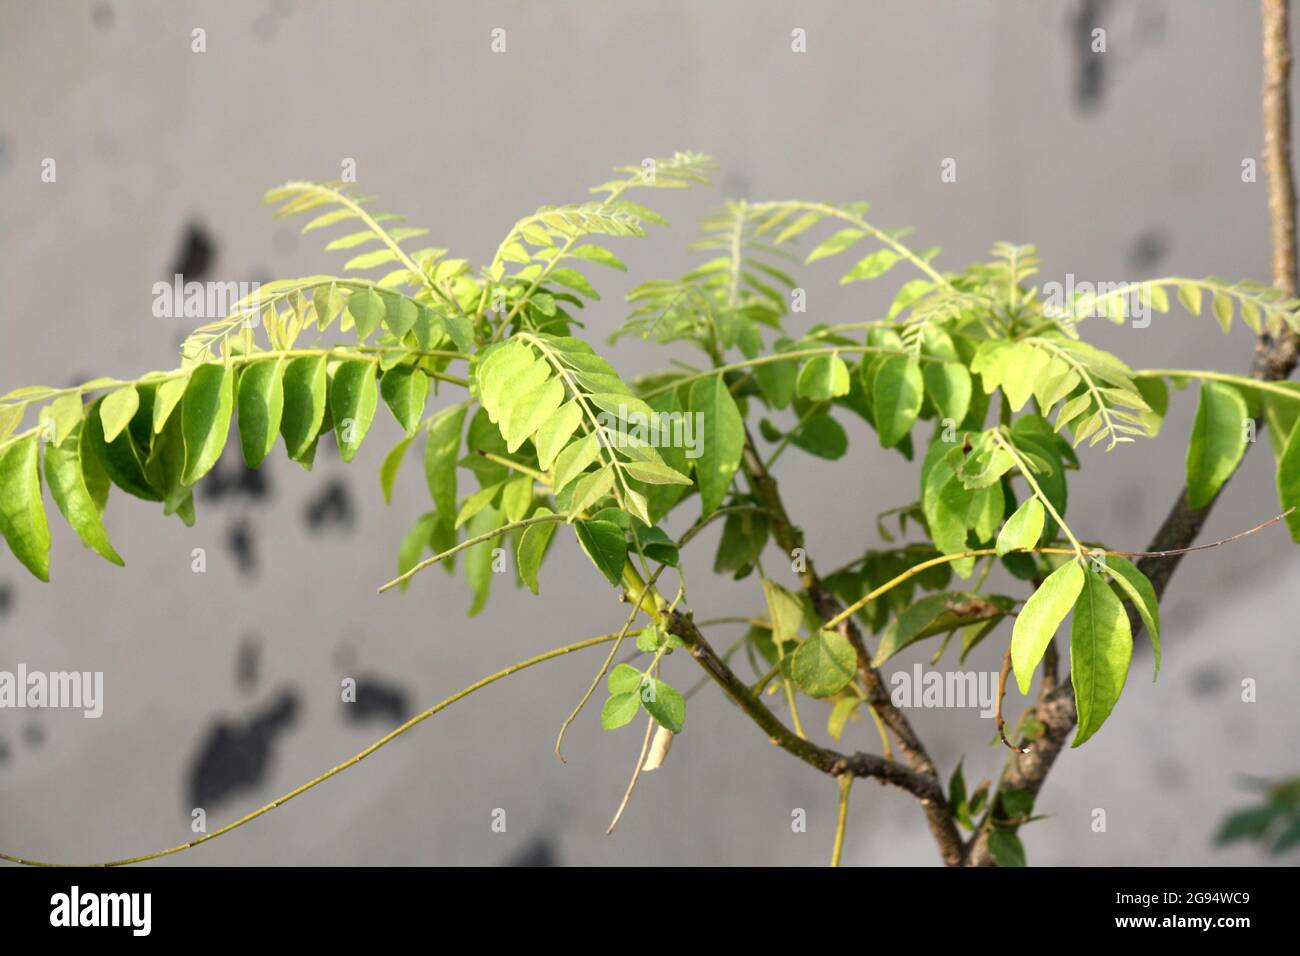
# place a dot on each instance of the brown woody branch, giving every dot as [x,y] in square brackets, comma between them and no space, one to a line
[789,538]
[1274,360]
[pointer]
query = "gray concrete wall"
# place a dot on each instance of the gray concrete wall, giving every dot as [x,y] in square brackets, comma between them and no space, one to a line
[1119,166]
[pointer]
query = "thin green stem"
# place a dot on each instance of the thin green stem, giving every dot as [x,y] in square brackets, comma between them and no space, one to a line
[335,771]
[469,543]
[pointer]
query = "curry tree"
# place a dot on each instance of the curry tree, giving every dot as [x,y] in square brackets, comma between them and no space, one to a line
[986,384]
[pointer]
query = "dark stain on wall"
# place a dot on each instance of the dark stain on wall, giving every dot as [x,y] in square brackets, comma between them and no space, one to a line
[540,851]
[196,255]
[378,699]
[330,507]
[235,755]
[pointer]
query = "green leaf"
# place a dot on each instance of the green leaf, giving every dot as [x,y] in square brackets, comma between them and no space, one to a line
[574,459]
[304,404]
[619,710]
[440,453]
[478,559]
[328,304]
[366,306]
[937,614]
[1023,528]
[605,545]
[1218,442]
[785,611]
[205,418]
[1222,307]
[949,386]
[477,502]
[70,485]
[1139,591]
[1288,480]
[824,377]
[405,391]
[876,264]
[61,416]
[655,473]
[400,314]
[1101,646]
[532,548]
[778,380]
[664,704]
[896,395]
[822,436]
[1006,848]
[555,432]
[835,244]
[22,513]
[353,399]
[591,489]
[391,465]
[1038,620]
[840,715]
[624,679]
[1190,296]
[824,664]
[722,440]
[261,407]
[413,544]
[117,409]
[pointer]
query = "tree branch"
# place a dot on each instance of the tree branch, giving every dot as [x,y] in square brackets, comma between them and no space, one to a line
[1274,359]
[789,538]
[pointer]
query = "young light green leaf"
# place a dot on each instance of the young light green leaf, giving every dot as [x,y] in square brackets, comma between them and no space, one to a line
[1038,620]
[823,377]
[824,664]
[1138,589]
[261,407]
[722,439]
[590,489]
[624,679]
[61,416]
[205,418]
[655,473]
[556,431]
[165,400]
[784,610]
[1218,442]
[70,488]
[1101,646]
[574,459]
[897,393]
[22,513]
[353,399]
[117,409]
[605,545]
[620,709]
[1023,528]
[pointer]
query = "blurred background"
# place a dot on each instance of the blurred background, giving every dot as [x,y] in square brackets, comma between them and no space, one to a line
[222,688]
